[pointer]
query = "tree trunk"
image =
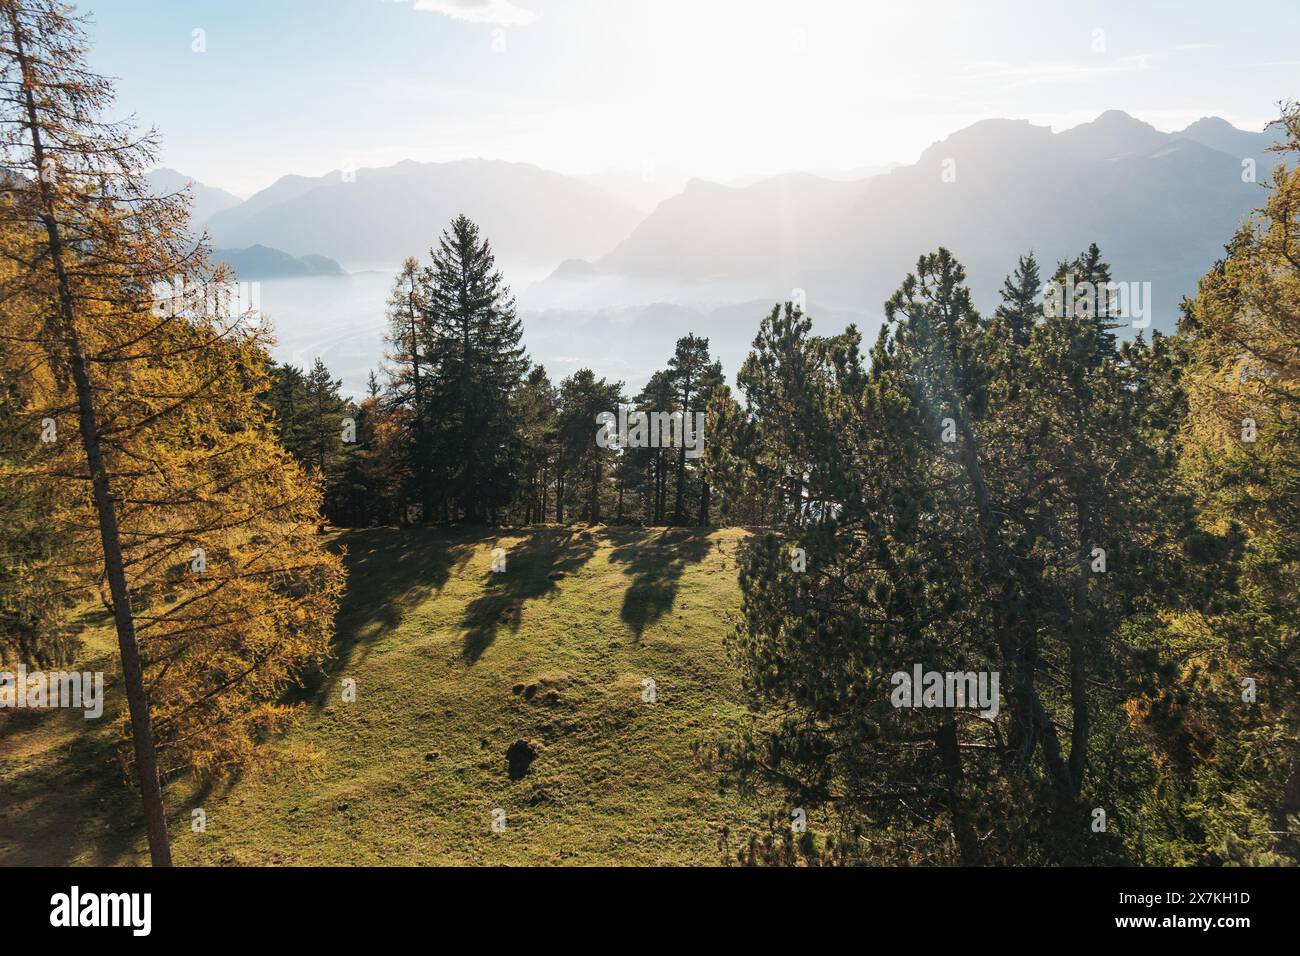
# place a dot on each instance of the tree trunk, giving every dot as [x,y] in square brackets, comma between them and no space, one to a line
[422,478]
[659,487]
[545,480]
[1078,661]
[1025,696]
[678,516]
[950,757]
[146,757]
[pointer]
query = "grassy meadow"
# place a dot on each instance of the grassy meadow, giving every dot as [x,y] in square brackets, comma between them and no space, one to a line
[452,664]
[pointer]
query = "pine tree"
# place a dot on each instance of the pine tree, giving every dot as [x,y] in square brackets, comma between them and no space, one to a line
[582,398]
[658,395]
[325,411]
[1021,305]
[477,363]
[408,372]
[1087,299]
[287,398]
[693,376]
[535,411]
[944,500]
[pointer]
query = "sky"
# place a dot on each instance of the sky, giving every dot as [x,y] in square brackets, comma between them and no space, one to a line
[245,91]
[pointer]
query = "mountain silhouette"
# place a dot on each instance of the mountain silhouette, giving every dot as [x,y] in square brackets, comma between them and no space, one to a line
[1160,205]
[373,218]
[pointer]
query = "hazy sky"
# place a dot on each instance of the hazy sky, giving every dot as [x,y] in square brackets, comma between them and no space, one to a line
[710,88]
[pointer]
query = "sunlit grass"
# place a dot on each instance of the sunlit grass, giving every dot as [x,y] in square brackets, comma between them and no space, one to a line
[452,665]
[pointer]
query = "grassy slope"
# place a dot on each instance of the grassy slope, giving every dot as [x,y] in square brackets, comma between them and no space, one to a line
[411,772]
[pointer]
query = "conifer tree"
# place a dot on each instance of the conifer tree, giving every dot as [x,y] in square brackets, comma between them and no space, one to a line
[658,395]
[477,363]
[535,411]
[945,504]
[1234,730]
[408,372]
[1022,303]
[693,376]
[582,398]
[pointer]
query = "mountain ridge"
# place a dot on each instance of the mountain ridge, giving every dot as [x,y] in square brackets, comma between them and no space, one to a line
[1160,205]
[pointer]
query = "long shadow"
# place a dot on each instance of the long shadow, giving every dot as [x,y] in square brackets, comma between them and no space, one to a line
[532,570]
[389,571]
[656,566]
[72,799]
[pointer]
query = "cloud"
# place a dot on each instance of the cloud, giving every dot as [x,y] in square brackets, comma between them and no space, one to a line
[499,12]
[1009,75]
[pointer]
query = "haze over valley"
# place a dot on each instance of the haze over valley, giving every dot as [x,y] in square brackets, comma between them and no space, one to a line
[603,273]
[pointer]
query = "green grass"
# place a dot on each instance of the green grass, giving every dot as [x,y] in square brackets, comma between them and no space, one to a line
[411,772]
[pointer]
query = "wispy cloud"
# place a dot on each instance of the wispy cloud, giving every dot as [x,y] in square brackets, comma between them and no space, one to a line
[1022,74]
[498,12]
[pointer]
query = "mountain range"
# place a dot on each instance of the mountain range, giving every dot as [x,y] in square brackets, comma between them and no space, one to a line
[205,201]
[1161,205]
[374,218]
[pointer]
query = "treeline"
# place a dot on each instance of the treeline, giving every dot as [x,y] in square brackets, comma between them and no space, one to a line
[464,428]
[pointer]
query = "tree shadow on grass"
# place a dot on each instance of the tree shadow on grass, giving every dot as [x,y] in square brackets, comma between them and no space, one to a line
[74,801]
[533,569]
[656,564]
[389,571]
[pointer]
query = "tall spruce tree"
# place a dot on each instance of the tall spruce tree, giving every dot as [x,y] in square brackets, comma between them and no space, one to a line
[476,363]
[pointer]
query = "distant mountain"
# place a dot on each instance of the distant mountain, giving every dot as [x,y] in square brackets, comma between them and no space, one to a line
[641,190]
[1160,205]
[1219,134]
[205,201]
[1112,135]
[261,262]
[379,216]
[284,189]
